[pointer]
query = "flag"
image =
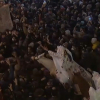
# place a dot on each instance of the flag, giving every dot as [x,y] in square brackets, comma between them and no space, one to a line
[63,59]
[5,18]
[63,66]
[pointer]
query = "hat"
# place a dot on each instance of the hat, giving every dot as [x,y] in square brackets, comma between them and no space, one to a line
[67,32]
[31,44]
[65,44]
[22,5]
[38,92]
[93,40]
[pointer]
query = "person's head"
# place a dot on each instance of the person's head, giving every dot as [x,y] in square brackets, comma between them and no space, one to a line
[10,32]
[65,44]
[73,47]
[67,86]
[67,32]
[49,84]
[22,80]
[98,49]
[39,50]
[89,23]
[7,32]
[13,39]
[50,11]
[75,35]
[31,45]
[82,30]
[3,36]
[71,41]
[11,8]
[38,92]
[29,49]
[68,9]
[35,71]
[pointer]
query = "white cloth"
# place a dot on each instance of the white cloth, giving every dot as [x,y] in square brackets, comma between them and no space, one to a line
[47,63]
[5,19]
[96,79]
[67,32]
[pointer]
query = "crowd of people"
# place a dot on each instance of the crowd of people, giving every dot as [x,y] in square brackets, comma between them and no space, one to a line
[74,24]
